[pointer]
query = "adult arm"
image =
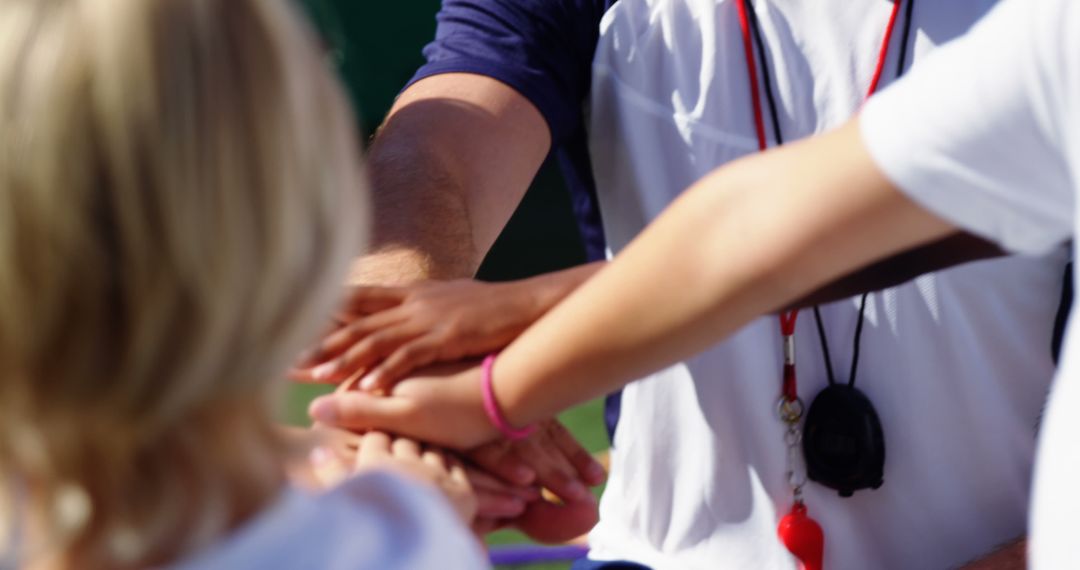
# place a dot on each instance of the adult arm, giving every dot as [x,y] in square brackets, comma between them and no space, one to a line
[449,166]
[504,81]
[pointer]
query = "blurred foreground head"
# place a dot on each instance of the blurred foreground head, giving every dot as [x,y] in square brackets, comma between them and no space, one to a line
[179,195]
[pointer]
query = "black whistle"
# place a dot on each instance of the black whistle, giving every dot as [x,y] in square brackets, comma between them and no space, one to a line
[843,442]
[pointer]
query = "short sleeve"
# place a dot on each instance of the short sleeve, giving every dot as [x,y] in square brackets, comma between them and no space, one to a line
[541,48]
[978,132]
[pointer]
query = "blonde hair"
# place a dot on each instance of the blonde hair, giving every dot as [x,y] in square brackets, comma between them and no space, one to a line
[179,196]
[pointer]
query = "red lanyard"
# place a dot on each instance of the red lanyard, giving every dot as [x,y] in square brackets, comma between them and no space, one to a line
[788,319]
[799,533]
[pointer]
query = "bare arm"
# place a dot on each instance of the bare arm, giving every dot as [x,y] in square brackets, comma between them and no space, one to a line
[449,166]
[744,255]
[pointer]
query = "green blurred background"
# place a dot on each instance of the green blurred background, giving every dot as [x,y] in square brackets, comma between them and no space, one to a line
[376,46]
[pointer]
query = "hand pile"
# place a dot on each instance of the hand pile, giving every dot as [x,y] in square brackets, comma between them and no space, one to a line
[375,353]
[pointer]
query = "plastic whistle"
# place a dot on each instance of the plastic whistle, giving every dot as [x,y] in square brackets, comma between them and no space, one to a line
[803,537]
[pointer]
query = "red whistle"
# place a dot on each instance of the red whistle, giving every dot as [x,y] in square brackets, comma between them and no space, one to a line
[803,537]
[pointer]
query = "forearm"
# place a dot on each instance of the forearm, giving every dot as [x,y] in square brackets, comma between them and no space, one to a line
[421,226]
[547,290]
[740,243]
[449,166]
[1012,556]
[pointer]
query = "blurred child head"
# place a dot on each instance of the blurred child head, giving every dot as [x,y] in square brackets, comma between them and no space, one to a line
[179,195]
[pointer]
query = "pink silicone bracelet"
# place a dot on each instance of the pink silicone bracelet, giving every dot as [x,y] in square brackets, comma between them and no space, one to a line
[491,407]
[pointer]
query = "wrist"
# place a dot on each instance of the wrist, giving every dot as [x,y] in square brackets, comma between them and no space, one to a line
[554,287]
[495,409]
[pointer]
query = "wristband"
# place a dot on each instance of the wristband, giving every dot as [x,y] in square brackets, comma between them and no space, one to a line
[491,407]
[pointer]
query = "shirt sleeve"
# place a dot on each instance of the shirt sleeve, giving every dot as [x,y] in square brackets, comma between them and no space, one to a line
[541,48]
[978,133]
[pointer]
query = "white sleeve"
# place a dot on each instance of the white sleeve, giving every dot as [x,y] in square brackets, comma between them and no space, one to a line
[978,132]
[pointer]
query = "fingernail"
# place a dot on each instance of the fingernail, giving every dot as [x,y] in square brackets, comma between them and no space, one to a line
[319,456]
[368,382]
[323,409]
[324,371]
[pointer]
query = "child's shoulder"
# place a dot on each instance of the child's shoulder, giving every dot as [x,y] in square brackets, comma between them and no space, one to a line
[375,520]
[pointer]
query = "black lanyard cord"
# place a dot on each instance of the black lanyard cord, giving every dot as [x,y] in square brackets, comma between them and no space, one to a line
[766,76]
[774,116]
[854,351]
[905,37]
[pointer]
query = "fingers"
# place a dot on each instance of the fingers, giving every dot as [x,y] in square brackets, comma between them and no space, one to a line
[327,468]
[359,411]
[497,500]
[405,448]
[435,460]
[497,505]
[359,345]
[457,473]
[374,450]
[483,481]
[352,332]
[499,458]
[551,457]
[406,358]
[588,468]
[553,470]
[365,353]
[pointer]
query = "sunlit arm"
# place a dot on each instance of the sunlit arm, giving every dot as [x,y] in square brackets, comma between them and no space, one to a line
[448,167]
[745,240]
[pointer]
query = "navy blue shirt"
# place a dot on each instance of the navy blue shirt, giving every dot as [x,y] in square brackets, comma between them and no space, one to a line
[544,50]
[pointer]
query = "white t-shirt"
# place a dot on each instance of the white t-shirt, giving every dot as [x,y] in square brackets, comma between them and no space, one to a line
[987,135]
[374,521]
[957,363]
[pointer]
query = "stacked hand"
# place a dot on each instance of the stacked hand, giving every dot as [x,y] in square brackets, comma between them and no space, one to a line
[386,333]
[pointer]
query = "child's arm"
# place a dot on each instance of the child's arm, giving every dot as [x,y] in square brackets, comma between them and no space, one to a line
[745,240]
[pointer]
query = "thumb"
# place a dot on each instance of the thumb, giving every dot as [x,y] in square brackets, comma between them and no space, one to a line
[360,411]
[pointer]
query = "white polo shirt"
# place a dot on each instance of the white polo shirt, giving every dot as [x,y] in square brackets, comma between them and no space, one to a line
[987,135]
[957,363]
